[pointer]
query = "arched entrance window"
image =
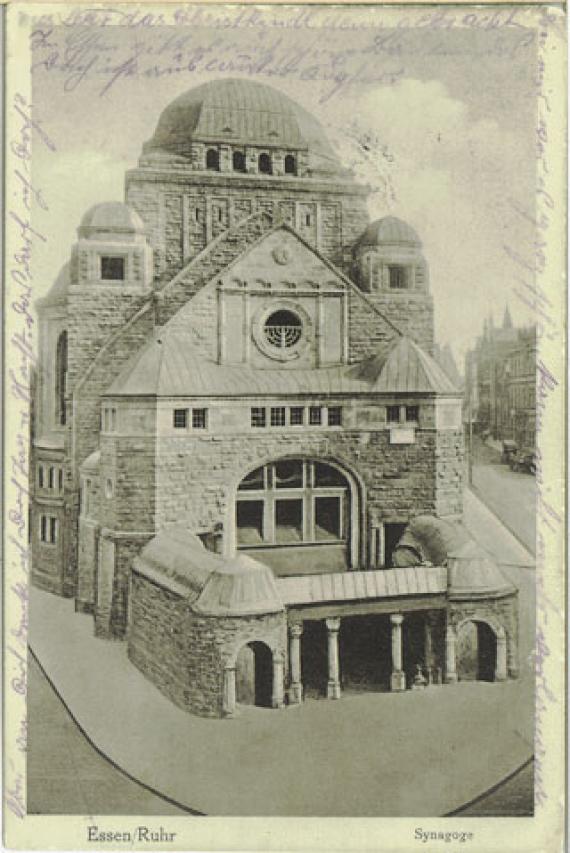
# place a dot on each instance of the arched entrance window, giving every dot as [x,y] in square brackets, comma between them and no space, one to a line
[264,164]
[254,675]
[60,378]
[476,652]
[290,165]
[293,503]
[213,160]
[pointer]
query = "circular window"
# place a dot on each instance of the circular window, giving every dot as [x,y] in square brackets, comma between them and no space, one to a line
[283,329]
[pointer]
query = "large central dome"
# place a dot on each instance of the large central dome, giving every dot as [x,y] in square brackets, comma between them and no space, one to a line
[240,112]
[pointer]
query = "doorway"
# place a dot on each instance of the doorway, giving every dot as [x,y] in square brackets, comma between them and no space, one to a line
[476,652]
[254,675]
[392,535]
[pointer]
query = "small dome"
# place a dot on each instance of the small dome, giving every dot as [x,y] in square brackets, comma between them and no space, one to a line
[111,216]
[473,574]
[214,586]
[240,112]
[390,230]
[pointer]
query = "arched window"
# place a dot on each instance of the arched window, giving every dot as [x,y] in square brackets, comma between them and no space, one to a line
[238,161]
[60,379]
[264,164]
[213,160]
[296,502]
[290,165]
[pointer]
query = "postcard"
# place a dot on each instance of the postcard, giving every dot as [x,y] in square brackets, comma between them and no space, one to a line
[285,345]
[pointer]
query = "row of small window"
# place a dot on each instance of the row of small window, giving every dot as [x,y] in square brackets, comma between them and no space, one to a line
[402,414]
[50,477]
[49,529]
[182,418]
[239,163]
[296,416]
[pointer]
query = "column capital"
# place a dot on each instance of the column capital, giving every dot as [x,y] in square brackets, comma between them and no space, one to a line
[333,624]
[396,618]
[296,629]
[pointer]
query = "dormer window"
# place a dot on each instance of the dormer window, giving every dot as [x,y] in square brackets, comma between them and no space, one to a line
[398,277]
[213,160]
[264,164]
[290,165]
[238,161]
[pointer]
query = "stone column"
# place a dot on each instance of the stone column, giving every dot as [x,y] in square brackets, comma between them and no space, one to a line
[501,667]
[333,685]
[277,694]
[296,686]
[431,653]
[450,664]
[229,691]
[398,678]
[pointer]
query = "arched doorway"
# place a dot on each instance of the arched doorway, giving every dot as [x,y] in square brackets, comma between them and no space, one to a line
[298,515]
[476,651]
[254,675]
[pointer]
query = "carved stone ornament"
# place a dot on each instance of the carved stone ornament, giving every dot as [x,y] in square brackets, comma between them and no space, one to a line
[281,255]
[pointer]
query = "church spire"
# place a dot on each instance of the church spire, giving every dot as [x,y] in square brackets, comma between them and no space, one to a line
[507,320]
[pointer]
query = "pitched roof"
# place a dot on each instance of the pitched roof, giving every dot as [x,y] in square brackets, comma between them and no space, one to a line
[171,366]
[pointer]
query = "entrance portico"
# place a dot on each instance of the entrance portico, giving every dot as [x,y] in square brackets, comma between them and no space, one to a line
[383,624]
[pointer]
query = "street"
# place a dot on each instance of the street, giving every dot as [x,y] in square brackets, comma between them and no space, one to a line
[66,773]
[511,495]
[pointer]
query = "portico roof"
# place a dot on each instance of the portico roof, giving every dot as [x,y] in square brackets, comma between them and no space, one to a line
[360,586]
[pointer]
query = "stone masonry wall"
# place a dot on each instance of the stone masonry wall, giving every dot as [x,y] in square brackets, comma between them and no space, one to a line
[412,314]
[160,198]
[196,477]
[184,654]
[449,473]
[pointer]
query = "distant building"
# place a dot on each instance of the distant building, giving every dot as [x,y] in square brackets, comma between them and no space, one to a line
[500,379]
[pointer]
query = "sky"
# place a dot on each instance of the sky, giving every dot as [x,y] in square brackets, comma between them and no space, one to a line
[440,123]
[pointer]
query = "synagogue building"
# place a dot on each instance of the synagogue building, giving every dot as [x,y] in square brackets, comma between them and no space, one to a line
[247,464]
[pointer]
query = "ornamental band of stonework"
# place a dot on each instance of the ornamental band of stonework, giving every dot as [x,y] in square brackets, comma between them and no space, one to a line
[245,452]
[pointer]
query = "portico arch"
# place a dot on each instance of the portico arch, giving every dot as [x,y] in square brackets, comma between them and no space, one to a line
[481,649]
[253,675]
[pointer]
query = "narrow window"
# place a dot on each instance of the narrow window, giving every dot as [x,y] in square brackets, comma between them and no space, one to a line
[264,164]
[307,219]
[199,418]
[113,419]
[197,215]
[398,278]
[249,522]
[290,165]
[53,530]
[334,416]
[60,479]
[238,161]
[112,268]
[180,418]
[315,415]
[43,528]
[109,489]
[61,378]
[40,476]
[213,160]
[412,414]
[393,414]
[278,416]
[296,416]
[51,477]
[258,418]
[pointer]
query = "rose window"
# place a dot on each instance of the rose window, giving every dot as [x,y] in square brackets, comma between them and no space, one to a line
[283,329]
